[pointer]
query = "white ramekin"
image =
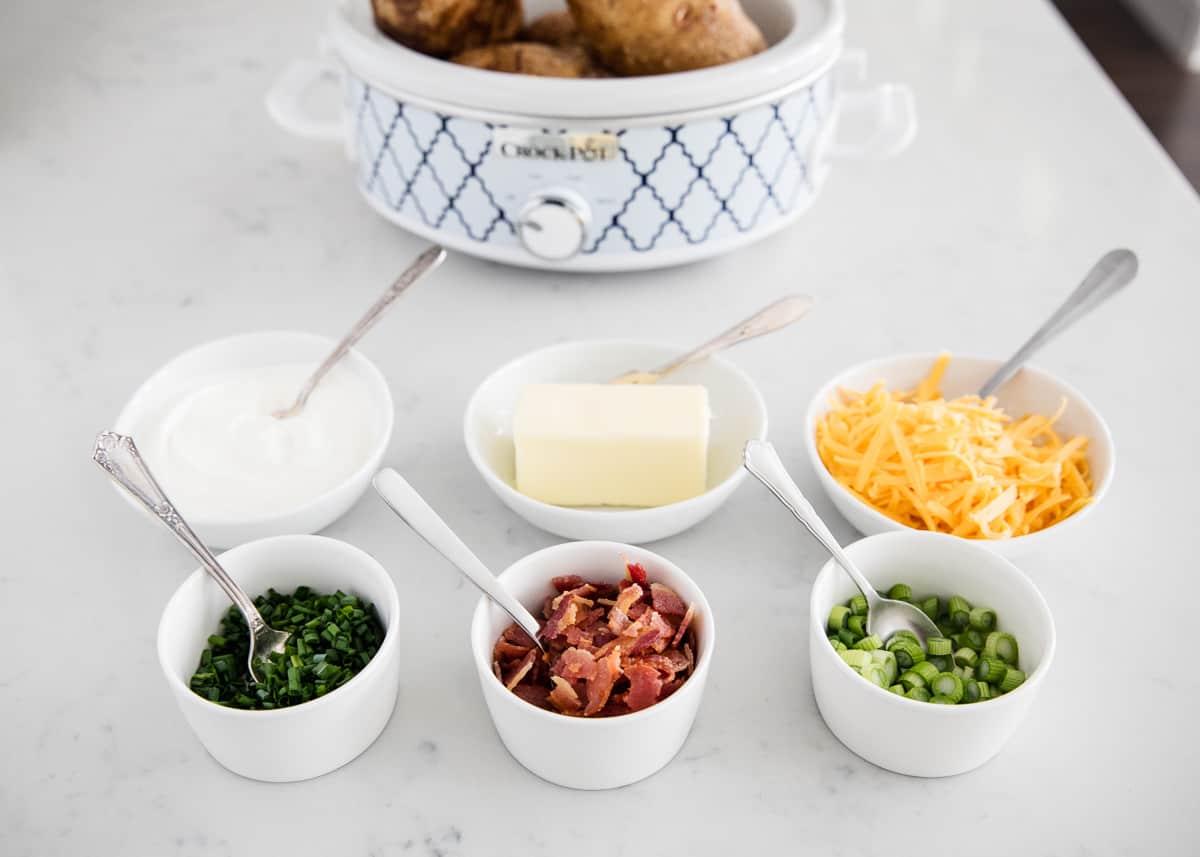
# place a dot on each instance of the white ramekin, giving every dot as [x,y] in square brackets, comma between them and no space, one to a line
[578,752]
[1030,391]
[918,738]
[738,411]
[265,348]
[303,741]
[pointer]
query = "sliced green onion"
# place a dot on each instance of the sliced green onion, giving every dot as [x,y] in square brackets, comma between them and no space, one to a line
[904,632]
[985,690]
[920,694]
[990,669]
[900,591]
[974,638]
[869,643]
[931,606]
[857,624]
[948,685]
[911,679]
[925,670]
[1001,645]
[837,616]
[970,690]
[1013,678]
[939,646]
[959,611]
[897,689]
[907,652]
[943,663]
[848,637]
[858,605]
[856,658]
[942,700]
[982,618]
[965,657]
[875,675]
[837,644]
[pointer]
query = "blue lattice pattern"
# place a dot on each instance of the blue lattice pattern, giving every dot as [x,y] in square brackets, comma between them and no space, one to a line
[673,186]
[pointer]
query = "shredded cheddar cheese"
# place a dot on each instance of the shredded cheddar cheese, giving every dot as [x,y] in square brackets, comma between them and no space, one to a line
[961,466]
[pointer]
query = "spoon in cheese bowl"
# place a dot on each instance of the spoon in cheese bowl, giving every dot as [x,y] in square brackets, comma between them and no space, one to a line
[778,315]
[404,500]
[1115,270]
[885,616]
[118,456]
[429,260]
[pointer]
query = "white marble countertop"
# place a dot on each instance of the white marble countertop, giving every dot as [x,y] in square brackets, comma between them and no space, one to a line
[149,204]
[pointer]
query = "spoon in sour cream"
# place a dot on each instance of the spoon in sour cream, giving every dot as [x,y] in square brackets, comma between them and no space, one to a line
[118,456]
[429,260]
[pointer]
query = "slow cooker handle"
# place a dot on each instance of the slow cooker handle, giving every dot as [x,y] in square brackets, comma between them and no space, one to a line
[886,111]
[285,100]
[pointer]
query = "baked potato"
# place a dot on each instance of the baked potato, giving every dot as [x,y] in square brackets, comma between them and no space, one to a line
[532,58]
[442,28]
[553,28]
[636,37]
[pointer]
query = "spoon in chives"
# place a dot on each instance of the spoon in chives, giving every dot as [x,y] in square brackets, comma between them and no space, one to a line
[885,616]
[118,456]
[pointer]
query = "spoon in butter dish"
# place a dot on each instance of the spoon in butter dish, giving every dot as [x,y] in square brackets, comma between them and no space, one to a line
[885,616]
[118,456]
[404,500]
[774,317]
[429,260]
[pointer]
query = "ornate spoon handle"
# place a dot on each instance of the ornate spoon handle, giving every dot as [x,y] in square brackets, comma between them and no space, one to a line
[118,456]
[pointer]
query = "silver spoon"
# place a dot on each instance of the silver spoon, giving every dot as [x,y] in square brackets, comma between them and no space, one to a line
[1115,270]
[885,616]
[426,262]
[778,315]
[404,500]
[118,455]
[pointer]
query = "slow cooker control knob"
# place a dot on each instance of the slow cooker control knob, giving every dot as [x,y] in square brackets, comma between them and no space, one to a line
[553,226]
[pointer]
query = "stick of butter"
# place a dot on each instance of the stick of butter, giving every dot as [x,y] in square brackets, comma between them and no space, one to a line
[611,444]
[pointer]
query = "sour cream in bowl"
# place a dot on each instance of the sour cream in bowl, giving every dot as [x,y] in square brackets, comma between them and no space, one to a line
[204,424]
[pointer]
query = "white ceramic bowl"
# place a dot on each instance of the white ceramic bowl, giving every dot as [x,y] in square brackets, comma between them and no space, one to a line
[1029,391]
[263,349]
[578,752]
[918,738]
[738,411]
[306,740]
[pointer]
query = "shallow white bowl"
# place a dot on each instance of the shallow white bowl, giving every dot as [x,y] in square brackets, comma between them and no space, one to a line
[738,415]
[303,741]
[601,752]
[263,349]
[918,738]
[1029,391]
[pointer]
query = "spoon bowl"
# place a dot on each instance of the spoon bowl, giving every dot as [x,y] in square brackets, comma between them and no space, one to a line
[885,616]
[118,456]
[404,500]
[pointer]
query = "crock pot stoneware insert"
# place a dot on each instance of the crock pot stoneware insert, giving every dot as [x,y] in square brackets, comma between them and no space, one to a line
[600,175]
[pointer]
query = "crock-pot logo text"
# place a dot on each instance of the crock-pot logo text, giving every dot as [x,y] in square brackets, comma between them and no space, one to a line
[539,146]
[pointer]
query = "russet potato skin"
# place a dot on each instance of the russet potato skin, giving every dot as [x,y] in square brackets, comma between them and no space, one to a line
[553,28]
[532,58]
[442,28]
[639,37]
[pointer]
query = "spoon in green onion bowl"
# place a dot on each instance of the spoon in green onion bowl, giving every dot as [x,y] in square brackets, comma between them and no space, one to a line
[885,616]
[118,456]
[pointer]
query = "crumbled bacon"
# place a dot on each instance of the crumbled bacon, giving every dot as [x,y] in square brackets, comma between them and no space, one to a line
[666,601]
[609,648]
[637,572]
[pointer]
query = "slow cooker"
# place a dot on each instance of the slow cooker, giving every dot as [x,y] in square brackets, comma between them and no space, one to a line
[598,174]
